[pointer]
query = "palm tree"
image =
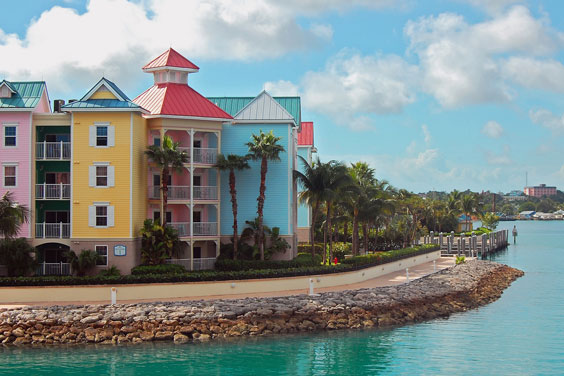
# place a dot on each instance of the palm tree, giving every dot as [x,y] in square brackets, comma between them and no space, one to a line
[337,181]
[363,181]
[263,147]
[233,162]
[469,206]
[12,216]
[313,184]
[167,157]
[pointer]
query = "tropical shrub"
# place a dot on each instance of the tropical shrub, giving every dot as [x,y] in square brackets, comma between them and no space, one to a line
[302,248]
[158,269]
[83,262]
[460,260]
[113,271]
[304,258]
[158,243]
[389,256]
[17,255]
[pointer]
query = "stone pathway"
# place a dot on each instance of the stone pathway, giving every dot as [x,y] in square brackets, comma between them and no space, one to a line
[390,279]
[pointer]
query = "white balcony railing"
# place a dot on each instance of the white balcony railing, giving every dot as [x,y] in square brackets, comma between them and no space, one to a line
[53,151]
[52,191]
[201,155]
[52,230]
[205,193]
[205,228]
[205,155]
[199,263]
[54,268]
[175,192]
[183,228]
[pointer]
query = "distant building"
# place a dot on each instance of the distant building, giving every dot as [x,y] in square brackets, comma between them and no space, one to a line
[540,191]
[515,196]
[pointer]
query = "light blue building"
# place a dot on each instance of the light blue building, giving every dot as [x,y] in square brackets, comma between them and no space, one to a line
[250,116]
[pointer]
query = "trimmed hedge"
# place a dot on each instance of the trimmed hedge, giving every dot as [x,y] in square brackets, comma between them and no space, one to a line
[390,256]
[239,265]
[158,269]
[355,263]
[306,248]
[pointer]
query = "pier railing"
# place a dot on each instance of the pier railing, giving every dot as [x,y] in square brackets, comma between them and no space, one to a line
[472,245]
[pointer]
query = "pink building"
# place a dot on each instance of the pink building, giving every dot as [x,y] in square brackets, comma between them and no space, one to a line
[540,191]
[18,102]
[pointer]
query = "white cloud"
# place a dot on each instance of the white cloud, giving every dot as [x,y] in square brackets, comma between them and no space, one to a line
[281,88]
[560,173]
[112,36]
[352,87]
[535,74]
[497,159]
[426,133]
[492,129]
[493,6]
[547,119]
[462,64]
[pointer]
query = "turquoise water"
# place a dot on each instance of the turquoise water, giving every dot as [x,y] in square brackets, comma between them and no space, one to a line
[520,334]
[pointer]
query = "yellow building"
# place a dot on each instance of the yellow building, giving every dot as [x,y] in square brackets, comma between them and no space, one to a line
[109,189]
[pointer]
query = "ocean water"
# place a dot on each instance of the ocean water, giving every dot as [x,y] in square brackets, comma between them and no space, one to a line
[520,334]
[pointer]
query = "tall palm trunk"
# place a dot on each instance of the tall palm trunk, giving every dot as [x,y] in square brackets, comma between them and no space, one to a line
[314,215]
[330,237]
[164,179]
[346,231]
[260,199]
[365,234]
[355,239]
[325,243]
[233,192]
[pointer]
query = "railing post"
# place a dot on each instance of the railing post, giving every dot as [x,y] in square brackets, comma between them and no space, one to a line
[44,150]
[43,267]
[61,151]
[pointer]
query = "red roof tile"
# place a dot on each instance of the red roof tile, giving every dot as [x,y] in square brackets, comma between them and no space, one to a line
[178,100]
[171,58]
[305,137]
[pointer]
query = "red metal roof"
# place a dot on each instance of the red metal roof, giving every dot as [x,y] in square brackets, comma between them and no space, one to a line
[178,100]
[171,58]
[305,137]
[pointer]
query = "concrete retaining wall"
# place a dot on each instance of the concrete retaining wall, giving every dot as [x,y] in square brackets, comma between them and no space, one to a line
[101,294]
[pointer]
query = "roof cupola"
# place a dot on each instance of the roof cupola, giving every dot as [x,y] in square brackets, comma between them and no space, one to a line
[171,67]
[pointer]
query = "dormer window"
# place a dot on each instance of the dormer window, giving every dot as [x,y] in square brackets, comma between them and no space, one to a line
[5,90]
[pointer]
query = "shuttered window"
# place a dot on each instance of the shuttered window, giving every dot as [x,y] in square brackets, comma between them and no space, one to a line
[102,135]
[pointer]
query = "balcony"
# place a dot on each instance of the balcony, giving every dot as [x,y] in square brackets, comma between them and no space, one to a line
[55,268]
[53,151]
[52,191]
[182,192]
[52,230]
[202,155]
[205,228]
[200,228]
[175,192]
[183,228]
[205,193]
[199,263]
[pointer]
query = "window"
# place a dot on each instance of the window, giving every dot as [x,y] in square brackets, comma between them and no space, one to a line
[102,251]
[101,216]
[157,141]
[157,216]
[101,176]
[10,176]
[101,135]
[10,135]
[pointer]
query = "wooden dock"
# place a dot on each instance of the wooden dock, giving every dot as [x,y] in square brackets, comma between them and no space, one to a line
[471,246]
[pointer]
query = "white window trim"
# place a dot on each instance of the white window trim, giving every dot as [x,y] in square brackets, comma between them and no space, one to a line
[107,125]
[4,126]
[110,175]
[107,205]
[9,164]
[96,216]
[107,253]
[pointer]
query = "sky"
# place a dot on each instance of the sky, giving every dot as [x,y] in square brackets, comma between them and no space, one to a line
[434,94]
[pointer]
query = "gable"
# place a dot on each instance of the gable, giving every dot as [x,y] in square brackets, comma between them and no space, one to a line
[103,93]
[264,108]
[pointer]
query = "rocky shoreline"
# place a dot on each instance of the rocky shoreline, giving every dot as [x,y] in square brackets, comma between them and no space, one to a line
[452,290]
